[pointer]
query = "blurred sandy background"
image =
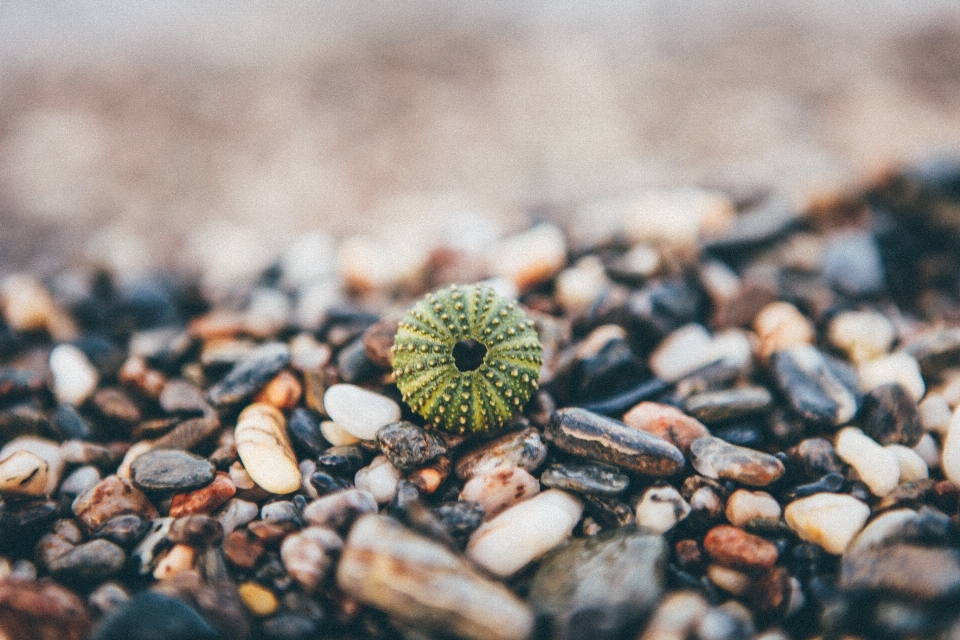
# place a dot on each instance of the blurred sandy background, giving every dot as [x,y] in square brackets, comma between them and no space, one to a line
[154,129]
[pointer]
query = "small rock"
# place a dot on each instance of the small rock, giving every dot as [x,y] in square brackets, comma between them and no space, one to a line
[116,407]
[830,520]
[408,446]
[862,335]
[337,435]
[258,600]
[421,583]
[47,450]
[733,581]
[605,440]
[305,435]
[950,457]
[242,549]
[265,449]
[667,422]
[500,488]
[744,506]
[28,306]
[74,378]
[780,325]
[42,610]
[524,449]
[188,434]
[154,616]
[112,496]
[360,412]
[577,287]
[182,396]
[681,215]
[853,265]
[717,459]
[877,467]
[816,458]
[714,406]
[734,547]
[936,350]
[530,257]
[70,424]
[691,347]
[593,478]
[250,374]
[267,313]
[309,554]
[820,389]
[125,530]
[676,616]
[338,510]
[889,415]
[524,532]
[660,508]
[935,413]
[379,478]
[910,571]
[23,473]
[171,470]
[178,559]
[896,368]
[236,513]
[204,500]
[107,597]
[198,531]
[79,480]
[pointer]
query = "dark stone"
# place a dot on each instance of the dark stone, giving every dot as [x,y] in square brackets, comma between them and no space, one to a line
[754,229]
[304,430]
[408,446]
[889,416]
[598,479]
[124,530]
[354,365]
[24,418]
[325,483]
[748,434]
[830,483]
[182,396]
[16,384]
[714,406]
[188,433]
[289,626]
[659,308]
[610,513]
[22,524]
[615,368]
[601,587]
[605,440]
[718,459]
[250,375]
[816,457]
[460,518]
[377,340]
[343,460]
[936,351]
[89,561]
[196,530]
[821,389]
[171,470]
[68,423]
[154,616]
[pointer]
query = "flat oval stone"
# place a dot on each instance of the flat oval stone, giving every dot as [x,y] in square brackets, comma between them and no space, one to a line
[667,422]
[734,547]
[265,450]
[744,506]
[188,434]
[718,459]
[862,335]
[250,375]
[408,446]
[889,416]
[606,440]
[74,378]
[597,479]
[713,406]
[819,389]
[499,488]
[358,411]
[830,520]
[171,470]
[47,450]
[90,560]
[877,467]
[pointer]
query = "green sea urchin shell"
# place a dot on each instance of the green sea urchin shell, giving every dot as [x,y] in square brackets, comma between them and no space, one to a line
[466,359]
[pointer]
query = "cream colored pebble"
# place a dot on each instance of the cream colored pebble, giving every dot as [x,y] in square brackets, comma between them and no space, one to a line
[265,450]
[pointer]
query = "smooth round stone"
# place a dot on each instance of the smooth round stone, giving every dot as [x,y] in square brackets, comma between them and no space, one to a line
[950,457]
[111,497]
[74,377]
[125,530]
[713,406]
[265,449]
[79,480]
[308,555]
[408,446]
[343,460]
[928,450]
[821,390]
[268,312]
[685,350]
[676,616]
[182,396]
[28,306]
[499,488]
[877,467]
[171,470]
[830,520]
[577,287]
[419,582]
[780,325]
[524,532]
[912,466]
[862,335]
[899,367]
[744,506]
[154,616]
[597,479]
[682,215]
[379,478]
[23,473]
[236,513]
[889,415]
[90,560]
[605,440]
[935,413]
[718,459]
[358,411]
[734,547]
[660,508]
[667,422]
[70,424]
[337,435]
[250,375]
[910,571]
[47,450]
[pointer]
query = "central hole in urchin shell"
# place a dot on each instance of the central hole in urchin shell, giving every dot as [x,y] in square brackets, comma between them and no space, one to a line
[468,355]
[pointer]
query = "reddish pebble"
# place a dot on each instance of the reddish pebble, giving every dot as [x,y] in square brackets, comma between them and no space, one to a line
[41,609]
[242,549]
[735,547]
[217,324]
[283,391]
[429,479]
[666,422]
[112,496]
[205,500]
[271,532]
[687,552]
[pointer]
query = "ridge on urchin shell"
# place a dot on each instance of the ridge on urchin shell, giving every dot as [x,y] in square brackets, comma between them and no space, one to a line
[466,358]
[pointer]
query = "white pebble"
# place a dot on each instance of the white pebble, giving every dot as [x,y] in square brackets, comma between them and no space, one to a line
[830,520]
[950,458]
[28,306]
[308,555]
[660,508]
[46,450]
[911,464]
[379,478]
[314,302]
[898,367]
[691,346]
[240,477]
[268,312]
[499,488]
[577,287]
[679,215]
[878,467]
[935,413]
[79,480]
[23,473]
[524,532]
[358,411]
[929,450]
[744,505]
[236,513]
[337,435]
[74,377]
[882,529]
[265,450]
[530,257]
[862,335]
[730,580]
[780,325]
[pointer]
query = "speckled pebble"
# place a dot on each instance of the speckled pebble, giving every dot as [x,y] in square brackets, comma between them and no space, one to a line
[111,497]
[830,520]
[500,488]
[877,467]
[408,446]
[890,416]
[717,459]
[358,411]
[525,449]
[171,470]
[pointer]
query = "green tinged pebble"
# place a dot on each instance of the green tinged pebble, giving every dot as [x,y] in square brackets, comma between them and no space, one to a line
[466,359]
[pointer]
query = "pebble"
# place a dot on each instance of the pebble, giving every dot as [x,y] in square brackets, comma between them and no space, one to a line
[179,558]
[935,413]
[304,431]
[267,313]
[70,424]
[144,555]
[308,555]
[912,465]
[379,478]
[830,520]
[500,488]
[667,422]
[734,547]
[125,530]
[188,434]
[342,460]
[676,616]
[820,389]
[681,215]
[182,396]
[154,616]
[74,378]
[586,590]
[605,440]
[116,408]
[171,470]
[910,571]
[598,479]
[890,416]
[731,580]
[862,335]
[408,446]
[525,449]
[530,257]
[92,560]
[236,513]
[578,286]
[242,549]
[47,450]
[23,473]
[337,435]
[419,582]
[935,350]
[42,610]
[204,500]
[79,480]
[780,325]
[107,597]
[249,375]
[877,467]
[28,306]
[199,531]
[524,532]
[718,459]
[112,496]
[726,404]
[338,510]
[691,347]
[950,456]
[852,263]
[358,411]
[265,449]
[744,506]
[660,508]
[258,600]
[900,368]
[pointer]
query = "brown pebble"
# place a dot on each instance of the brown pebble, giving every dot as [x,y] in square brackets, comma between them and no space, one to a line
[735,547]
[112,496]
[428,479]
[205,500]
[117,407]
[283,391]
[377,340]
[196,530]
[242,549]
[41,609]
[770,592]
[137,374]
[271,532]
[666,422]
[314,387]
[687,552]
[220,323]
[188,434]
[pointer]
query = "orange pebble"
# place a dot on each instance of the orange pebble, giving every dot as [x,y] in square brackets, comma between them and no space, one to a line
[205,500]
[283,392]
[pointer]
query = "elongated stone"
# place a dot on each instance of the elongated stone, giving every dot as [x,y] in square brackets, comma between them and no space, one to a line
[585,478]
[421,583]
[606,440]
[250,374]
[878,467]
[171,470]
[717,459]
[265,450]
[819,389]
[714,406]
[359,411]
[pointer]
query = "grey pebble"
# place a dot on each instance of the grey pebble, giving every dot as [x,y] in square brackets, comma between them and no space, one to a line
[250,374]
[338,510]
[524,449]
[124,530]
[280,511]
[70,424]
[145,552]
[852,264]
[718,459]
[171,470]
[606,440]
[188,434]
[713,406]
[91,560]
[816,457]
[182,396]
[595,478]
[890,416]
[408,446]
[79,480]
[236,513]
[911,571]
[460,518]
[343,460]
[821,389]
